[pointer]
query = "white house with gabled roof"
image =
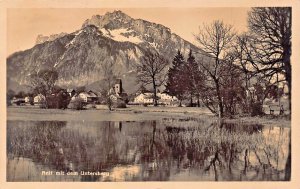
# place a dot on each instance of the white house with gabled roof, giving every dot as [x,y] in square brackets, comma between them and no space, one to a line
[147,98]
[144,98]
[87,97]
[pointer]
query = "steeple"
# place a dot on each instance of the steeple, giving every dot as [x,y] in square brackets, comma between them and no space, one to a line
[118,86]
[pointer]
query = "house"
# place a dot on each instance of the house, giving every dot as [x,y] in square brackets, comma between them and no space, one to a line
[166,97]
[88,97]
[147,98]
[144,98]
[28,99]
[18,101]
[71,92]
[39,99]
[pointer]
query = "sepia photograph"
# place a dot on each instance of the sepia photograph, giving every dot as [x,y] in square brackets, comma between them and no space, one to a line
[131,94]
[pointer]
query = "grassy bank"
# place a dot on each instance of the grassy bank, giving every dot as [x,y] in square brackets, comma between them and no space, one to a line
[280,121]
[127,114]
[132,113]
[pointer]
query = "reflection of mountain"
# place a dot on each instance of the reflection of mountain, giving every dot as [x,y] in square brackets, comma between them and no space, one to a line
[147,151]
[79,56]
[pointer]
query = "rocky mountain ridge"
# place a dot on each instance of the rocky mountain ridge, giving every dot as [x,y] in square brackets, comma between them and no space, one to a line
[79,57]
[41,38]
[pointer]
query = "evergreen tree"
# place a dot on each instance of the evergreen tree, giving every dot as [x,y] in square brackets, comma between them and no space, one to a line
[194,79]
[175,85]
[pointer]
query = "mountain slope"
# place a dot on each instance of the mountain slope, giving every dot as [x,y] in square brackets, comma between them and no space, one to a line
[120,27]
[79,56]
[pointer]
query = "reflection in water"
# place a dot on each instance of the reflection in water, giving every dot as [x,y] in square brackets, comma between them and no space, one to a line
[146,151]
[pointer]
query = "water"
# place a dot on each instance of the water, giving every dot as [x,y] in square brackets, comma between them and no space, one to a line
[167,150]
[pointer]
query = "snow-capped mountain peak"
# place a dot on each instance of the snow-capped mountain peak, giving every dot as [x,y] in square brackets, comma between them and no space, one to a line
[110,38]
[122,35]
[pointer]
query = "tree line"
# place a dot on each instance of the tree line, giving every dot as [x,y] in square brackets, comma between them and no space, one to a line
[43,84]
[235,70]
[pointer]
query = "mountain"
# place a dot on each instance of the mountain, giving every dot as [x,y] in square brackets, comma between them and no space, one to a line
[41,38]
[79,57]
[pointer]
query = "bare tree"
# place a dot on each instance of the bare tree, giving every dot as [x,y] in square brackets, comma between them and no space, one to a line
[231,82]
[215,40]
[43,82]
[241,51]
[270,51]
[107,84]
[152,71]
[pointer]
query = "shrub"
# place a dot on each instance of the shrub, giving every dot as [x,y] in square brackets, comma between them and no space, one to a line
[120,105]
[42,105]
[91,106]
[58,101]
[94,105]
[8,102]
[256,109]
[76,104]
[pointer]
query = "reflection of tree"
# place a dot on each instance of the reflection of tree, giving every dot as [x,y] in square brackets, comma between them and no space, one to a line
[39,141]
[225,152]
[216,151]
[287,175]
[154,155]
[65,149]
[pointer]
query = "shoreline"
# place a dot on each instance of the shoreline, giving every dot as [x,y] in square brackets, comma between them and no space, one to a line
[132,113]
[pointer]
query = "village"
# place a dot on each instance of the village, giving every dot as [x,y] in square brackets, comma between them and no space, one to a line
[90,98]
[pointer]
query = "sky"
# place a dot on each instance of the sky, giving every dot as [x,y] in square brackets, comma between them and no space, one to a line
[25,24]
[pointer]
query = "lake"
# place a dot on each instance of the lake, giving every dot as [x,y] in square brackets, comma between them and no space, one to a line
[164,150]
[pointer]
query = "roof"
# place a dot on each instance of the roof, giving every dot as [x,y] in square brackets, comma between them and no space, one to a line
[147,95]
[70,90]
[39,96]
[89,94]
[92,93]
[118,80]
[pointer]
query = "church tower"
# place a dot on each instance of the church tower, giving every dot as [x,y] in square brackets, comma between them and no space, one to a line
[118,86]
